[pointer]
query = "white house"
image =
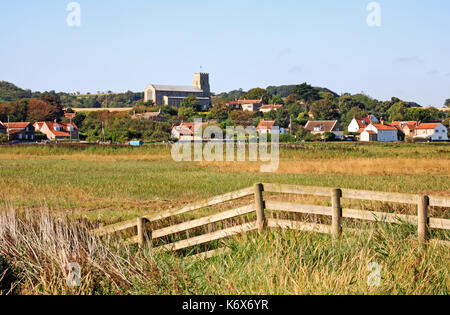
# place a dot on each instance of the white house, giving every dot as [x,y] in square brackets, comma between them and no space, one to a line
[433,131]
[380,132]
[269,108]
[358,125]
[188,131]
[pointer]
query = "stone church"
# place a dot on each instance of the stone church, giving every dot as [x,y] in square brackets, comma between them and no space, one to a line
[173,95]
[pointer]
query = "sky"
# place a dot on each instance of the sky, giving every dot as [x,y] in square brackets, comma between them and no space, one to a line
[126,45]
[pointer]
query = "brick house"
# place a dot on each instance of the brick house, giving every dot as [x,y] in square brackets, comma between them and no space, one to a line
[58,131]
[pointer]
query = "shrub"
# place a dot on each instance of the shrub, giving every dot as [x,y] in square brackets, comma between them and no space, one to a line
[3,138]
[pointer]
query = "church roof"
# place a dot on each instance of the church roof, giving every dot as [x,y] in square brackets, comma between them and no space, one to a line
[177,88]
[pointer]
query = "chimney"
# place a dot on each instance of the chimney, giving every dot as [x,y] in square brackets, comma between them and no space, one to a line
[382,120]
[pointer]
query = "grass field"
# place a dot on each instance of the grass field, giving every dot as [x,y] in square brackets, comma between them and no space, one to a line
[110,184]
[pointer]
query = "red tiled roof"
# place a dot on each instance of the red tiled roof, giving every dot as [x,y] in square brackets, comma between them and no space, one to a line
[64,128]
[364,122]
[428,126]
[384,127]
[240,102]
[265,124]
[17,125]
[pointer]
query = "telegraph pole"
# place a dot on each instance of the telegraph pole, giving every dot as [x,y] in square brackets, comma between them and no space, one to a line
[70,129]
[103,131]
[7,129]
[290,126]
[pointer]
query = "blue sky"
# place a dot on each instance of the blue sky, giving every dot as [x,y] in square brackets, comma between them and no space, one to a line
[125,45]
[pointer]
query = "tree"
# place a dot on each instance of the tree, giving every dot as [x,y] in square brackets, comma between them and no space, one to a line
[398,110]
[325,109]
[447,102]
[191,102]
[353,112]
[41,111]
[277,100]
[241,117]
[294,109]
[220,111]
[258,93]
[292,99]
[306,93]
[187,112]
[282,118]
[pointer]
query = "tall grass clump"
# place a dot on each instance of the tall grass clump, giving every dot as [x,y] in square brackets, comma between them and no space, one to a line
[36,249]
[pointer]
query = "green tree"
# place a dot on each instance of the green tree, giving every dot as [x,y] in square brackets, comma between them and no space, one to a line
[282,118]
[187,112]
[220,111]
[276,99]
[306,93]
[258,93]
[325,109]
[353,112]
[398,110]
[447,102]
[292,99]
[294,109]
[191,102]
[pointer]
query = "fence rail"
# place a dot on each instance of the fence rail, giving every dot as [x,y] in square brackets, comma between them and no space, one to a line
[145,234]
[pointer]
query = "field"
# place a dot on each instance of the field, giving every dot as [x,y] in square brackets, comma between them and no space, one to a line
[93,185]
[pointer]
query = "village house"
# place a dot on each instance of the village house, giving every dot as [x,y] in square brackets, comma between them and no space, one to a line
[187,131]
[322,127]
[408,128]
[269,108]
[418,130]
[432,131]
[270,127]
[358,125]
[58,131]
[19,131]
[380,132]
[266,127]
[247,105]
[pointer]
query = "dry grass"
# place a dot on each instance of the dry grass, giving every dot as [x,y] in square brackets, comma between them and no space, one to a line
[348,166]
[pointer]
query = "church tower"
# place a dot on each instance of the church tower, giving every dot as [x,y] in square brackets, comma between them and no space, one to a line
[201,81]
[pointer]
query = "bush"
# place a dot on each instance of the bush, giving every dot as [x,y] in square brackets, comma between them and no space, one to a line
[3,138]
[329,136]
[287,138]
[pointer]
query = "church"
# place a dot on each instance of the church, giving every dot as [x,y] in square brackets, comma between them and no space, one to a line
[173,95]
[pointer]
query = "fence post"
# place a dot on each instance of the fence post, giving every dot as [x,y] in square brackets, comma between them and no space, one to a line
[142,231]
[422,208]
[259,205]
[336,228]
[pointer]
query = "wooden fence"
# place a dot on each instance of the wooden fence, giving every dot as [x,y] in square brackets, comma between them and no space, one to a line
[146,235]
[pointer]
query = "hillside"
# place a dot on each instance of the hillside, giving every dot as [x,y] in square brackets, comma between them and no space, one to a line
[10,93]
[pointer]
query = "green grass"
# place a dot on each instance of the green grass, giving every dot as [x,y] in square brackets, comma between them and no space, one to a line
[115,183]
